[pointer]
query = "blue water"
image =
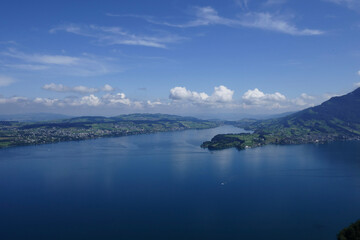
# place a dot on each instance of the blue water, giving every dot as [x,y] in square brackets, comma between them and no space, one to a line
[164,186]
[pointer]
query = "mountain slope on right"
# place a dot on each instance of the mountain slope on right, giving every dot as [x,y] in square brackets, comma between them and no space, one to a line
[335,119]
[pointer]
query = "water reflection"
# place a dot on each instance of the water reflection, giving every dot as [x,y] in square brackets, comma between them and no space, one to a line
[223,161]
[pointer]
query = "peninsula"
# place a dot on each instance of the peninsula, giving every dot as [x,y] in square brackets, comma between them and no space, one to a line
[336,119]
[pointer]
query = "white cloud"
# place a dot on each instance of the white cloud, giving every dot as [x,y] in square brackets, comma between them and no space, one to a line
[251,99]
[90,100]
[327,96]
[6,81]
[181,93]
[107,100]
[154,103]
[55,87]
[304,100]
[118,98]
[107,88]
[117,36]
[220,96]
[46,101]
[307,97]
[138,105]
[258,98]
[209,16]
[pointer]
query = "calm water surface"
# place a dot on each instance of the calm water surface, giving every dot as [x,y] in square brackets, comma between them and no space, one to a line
[164,186]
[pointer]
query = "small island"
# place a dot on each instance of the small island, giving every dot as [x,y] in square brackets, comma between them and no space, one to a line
[335,119]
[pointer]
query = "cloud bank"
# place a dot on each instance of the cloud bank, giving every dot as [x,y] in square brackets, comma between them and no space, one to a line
[181,100]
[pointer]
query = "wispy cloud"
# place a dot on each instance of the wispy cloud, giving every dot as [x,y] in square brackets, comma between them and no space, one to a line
[6,81]
[84,65]
[205,16]
[43,59]
[274,2]
[77,89]
[270,22]
[118,36]
[243,4]
[351,4]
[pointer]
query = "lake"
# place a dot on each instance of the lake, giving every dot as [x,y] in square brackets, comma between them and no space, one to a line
[164,186]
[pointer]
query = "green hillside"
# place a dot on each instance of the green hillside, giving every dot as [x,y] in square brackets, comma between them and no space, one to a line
[335,119]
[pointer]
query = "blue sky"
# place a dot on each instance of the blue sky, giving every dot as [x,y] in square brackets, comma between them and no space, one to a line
[183,57]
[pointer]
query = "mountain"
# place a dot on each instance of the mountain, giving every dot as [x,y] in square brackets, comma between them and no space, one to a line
[336,119]
[345,108]
[339,116]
